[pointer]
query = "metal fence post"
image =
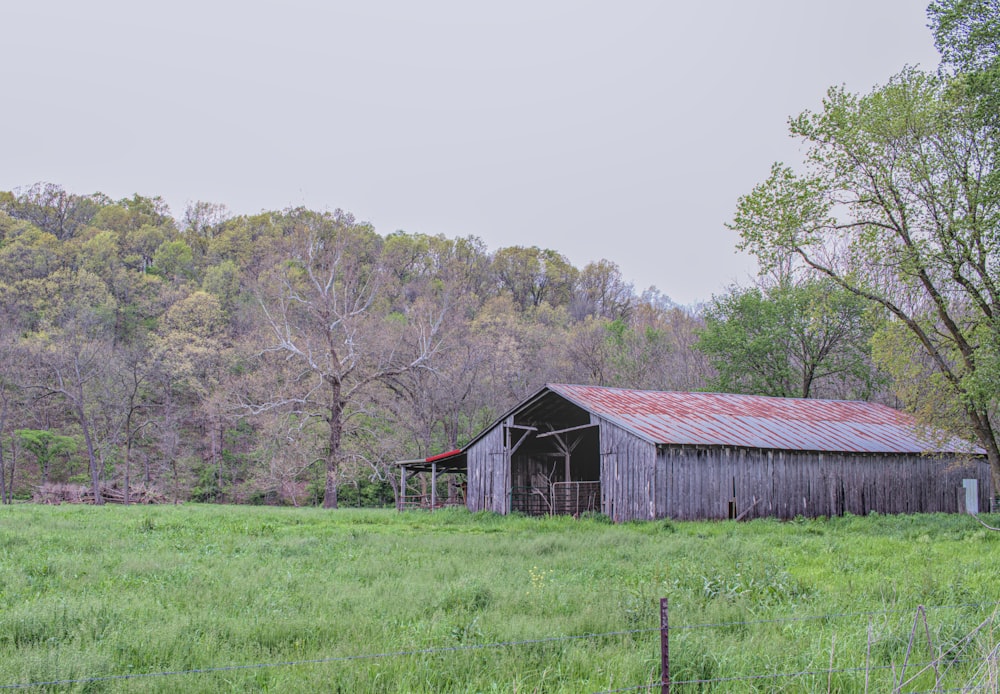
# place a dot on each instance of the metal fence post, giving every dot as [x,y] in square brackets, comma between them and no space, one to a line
[664,647]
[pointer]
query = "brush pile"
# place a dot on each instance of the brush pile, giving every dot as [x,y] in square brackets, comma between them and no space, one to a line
[57,493]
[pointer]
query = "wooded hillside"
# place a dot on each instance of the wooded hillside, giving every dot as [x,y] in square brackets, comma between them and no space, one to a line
[282,355]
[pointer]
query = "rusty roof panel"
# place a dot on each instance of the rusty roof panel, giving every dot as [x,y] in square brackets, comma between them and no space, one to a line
[754,421]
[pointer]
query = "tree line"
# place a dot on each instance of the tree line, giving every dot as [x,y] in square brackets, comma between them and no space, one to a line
[286,356]
[290,356]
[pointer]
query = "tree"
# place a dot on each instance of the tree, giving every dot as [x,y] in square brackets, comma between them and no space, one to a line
[202,219]
[790,341]
[326,344]
[602,291]
[129,400]
[70,370]
[53,210]
[532,275]
[967,34]
[29,253]
[46,446]
[900,207]
[189,358]
[174,259]
[9,393]
[69,352]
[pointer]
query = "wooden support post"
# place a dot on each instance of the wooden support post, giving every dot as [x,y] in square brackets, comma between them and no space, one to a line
[402,487]
[434,485]
[664,647]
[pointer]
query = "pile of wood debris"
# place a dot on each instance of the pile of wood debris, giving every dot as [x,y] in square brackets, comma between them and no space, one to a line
[82,494]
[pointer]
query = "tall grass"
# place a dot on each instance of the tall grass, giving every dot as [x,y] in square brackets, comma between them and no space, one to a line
[94,592]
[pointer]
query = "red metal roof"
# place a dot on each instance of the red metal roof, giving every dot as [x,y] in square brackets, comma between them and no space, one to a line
[754,421]
[442,456]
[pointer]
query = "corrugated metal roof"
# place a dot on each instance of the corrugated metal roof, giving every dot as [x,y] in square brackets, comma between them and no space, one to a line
[754,421]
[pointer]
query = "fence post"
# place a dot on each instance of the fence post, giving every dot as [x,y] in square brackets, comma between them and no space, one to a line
[664,647]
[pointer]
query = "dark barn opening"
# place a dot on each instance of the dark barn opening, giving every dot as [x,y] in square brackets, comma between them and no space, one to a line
[555,462]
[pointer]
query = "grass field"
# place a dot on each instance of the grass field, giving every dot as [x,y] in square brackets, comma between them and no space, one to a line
[104,592]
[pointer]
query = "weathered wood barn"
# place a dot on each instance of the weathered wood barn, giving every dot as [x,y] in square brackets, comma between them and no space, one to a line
[643,455]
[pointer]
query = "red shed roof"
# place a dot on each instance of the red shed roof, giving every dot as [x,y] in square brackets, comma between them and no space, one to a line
[443,456]
[754,421]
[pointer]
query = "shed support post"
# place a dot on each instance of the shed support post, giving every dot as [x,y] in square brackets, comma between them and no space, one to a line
[434,485]
[402,487]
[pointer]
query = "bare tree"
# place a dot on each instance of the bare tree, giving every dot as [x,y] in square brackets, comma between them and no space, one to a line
[327,338]
[131,385]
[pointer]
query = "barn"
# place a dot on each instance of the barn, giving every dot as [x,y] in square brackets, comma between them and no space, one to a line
[643,455]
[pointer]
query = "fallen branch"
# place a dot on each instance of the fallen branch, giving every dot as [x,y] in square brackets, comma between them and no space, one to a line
[982,523]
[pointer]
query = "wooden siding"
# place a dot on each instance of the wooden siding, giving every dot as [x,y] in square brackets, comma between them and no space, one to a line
[698,483]
[489,472]
[628,475]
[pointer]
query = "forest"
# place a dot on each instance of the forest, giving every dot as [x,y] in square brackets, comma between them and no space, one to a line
[237,358]
[290,356]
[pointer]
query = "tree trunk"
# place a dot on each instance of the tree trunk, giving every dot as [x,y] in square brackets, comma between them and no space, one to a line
[330,493]
[993,456]
[994,459]
[95,473]
[128,451]
[984,430]
[13,468]
[3,462]
[807,379]
[336,422]
[3,477]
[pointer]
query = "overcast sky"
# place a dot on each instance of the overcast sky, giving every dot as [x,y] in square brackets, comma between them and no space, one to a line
[620,130]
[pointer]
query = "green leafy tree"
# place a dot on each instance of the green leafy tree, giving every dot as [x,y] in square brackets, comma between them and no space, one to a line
[223,281]
[901,207]
[28,252]
[174,260]
[47,447]
[804,340]
[533,275]
[967,33]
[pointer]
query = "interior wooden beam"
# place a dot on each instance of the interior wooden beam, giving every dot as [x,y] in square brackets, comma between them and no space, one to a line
[564,431]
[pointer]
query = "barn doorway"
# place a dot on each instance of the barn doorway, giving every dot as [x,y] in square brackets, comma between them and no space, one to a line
[555,460]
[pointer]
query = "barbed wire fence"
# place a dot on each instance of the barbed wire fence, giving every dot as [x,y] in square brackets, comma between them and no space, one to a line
[984,676]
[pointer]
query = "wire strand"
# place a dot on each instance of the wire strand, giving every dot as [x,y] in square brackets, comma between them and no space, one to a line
[320,661]
[509,644]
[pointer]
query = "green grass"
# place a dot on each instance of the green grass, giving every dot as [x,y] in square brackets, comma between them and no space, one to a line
[96,592]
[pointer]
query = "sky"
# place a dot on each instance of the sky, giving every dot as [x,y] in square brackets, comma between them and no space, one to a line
[619,130]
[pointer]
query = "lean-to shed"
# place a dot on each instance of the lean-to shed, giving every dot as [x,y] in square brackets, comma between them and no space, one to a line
[642,455]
